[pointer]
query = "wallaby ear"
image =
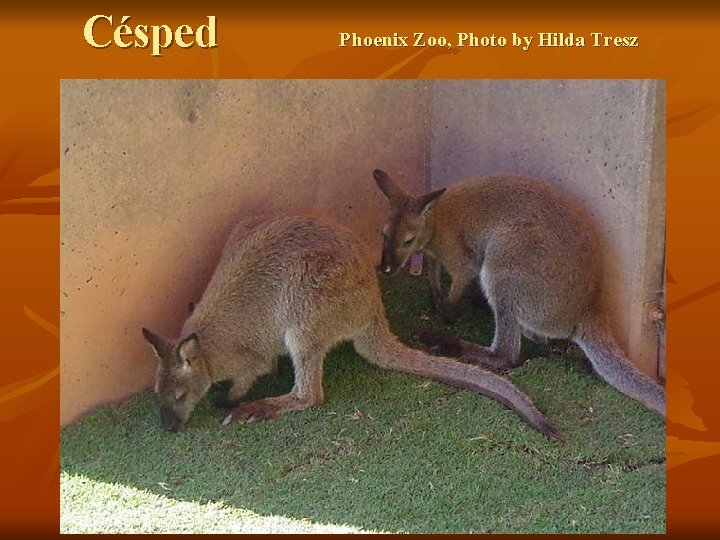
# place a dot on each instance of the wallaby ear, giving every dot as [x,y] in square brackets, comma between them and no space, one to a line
[425,202]
[162,347]
[388,186]
[189,348]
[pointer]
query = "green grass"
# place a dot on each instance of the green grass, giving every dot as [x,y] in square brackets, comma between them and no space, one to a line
[387,452]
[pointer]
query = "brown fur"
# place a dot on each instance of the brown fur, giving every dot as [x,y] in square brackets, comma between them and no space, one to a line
[538,260]
[299,286]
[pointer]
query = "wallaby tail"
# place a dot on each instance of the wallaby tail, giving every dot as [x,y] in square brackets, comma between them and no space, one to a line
[595,338]
[382,348]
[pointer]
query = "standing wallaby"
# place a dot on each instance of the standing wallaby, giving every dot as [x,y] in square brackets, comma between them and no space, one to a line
[539,263]
[299,286]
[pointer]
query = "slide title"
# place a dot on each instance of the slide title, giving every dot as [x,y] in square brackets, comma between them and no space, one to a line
[158,37]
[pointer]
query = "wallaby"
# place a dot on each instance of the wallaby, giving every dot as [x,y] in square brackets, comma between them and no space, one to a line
[296,285]
[538,260]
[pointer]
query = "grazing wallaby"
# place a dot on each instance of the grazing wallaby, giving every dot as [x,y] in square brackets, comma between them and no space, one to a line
[538,260]
[296,285]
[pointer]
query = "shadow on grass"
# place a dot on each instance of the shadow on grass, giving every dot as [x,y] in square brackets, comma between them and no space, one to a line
[391,452]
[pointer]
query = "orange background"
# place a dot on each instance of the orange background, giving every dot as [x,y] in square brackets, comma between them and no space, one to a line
[39,48]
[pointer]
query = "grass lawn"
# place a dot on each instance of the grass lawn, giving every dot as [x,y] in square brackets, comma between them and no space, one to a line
[387,452]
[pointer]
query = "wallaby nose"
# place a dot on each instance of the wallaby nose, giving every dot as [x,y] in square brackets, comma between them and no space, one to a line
[171,424]
[384,268]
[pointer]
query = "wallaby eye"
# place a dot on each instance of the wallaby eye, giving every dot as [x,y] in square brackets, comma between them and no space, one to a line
[180,398]
[409,241]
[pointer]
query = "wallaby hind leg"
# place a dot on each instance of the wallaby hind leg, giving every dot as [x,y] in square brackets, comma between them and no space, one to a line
[505,348]
[503,354]
[306,392]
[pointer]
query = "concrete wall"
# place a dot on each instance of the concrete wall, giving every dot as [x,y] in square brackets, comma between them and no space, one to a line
[600,140]
[153,173]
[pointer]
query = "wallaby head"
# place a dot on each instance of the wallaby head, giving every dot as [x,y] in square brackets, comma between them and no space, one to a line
[405,229]
[181,380]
